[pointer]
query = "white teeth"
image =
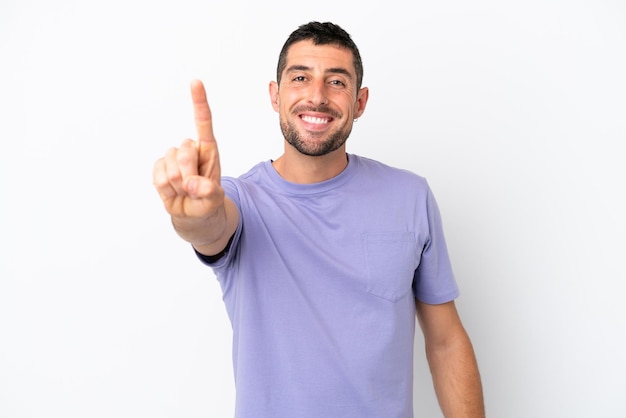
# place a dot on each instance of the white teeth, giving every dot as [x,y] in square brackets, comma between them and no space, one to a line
[311,119]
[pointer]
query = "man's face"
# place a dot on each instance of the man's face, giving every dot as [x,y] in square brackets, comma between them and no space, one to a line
[317,99]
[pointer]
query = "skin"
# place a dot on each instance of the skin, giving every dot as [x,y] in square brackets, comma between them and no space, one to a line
[451,360]
[318,84]
[188,180]
[317,103]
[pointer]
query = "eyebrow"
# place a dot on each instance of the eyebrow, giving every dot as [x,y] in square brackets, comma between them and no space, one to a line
[334,70]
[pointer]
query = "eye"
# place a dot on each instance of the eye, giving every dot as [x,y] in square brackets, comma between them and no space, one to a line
[337,83]
[299,78]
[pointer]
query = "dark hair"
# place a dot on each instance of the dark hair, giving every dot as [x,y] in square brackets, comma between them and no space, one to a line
[322,34]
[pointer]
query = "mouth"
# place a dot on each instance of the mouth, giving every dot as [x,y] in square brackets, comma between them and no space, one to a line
[315,120]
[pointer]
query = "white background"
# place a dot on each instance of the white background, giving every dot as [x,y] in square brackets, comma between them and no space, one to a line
[514,111]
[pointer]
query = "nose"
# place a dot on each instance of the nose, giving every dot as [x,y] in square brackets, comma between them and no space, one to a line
[318,94]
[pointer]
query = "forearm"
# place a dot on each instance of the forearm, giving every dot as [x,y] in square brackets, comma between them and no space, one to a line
[456,378]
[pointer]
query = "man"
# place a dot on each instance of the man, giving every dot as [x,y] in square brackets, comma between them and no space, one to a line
[324,258]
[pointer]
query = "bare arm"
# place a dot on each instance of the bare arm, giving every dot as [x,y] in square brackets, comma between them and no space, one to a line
[188,181]
[452,361]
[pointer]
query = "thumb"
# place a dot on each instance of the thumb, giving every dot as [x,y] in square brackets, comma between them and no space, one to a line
[198,187]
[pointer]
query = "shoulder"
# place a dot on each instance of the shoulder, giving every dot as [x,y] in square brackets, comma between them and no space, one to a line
[256,174]
[378,171]
[238,188]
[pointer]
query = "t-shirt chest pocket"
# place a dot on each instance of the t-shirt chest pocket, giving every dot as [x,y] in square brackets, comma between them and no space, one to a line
[391,259]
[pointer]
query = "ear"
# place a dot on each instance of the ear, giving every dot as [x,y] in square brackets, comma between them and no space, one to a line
[274,95]
[361,102]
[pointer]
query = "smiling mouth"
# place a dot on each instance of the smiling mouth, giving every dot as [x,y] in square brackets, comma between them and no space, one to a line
[315,120]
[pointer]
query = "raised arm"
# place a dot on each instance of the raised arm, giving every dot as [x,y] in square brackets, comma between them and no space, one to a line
[188,181]
[452,361]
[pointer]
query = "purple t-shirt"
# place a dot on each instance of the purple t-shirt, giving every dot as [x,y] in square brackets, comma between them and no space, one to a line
[319,285]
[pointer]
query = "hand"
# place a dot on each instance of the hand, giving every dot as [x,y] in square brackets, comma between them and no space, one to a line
[188,178]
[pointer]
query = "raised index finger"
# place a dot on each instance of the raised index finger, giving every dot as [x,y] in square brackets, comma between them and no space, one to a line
[202,112]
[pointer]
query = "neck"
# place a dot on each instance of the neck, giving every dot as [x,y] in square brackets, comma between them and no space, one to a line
[304,169]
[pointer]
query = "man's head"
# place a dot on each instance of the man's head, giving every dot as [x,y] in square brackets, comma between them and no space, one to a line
[322,34]
[318,91]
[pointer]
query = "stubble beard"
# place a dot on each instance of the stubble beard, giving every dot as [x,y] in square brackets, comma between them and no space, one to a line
[313,148]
